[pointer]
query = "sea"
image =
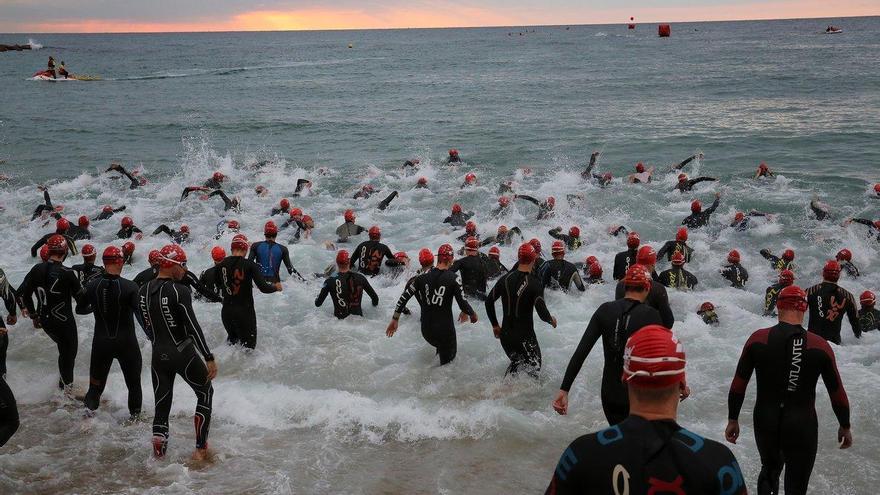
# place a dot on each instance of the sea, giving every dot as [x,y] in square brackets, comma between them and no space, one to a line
[326,406]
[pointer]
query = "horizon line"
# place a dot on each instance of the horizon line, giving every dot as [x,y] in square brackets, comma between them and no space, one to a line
[494,26]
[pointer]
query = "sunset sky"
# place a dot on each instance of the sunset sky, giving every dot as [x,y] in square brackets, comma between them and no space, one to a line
[32,16]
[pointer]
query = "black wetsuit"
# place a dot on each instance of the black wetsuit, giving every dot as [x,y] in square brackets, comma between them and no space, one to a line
[434,291]
[104,215]
[78,233]
[560,274]
[135,183]
[145,276]
[45,207]
[736,274]
[55,285]
[520,294]
[819,210]
[678,278]
[680,165]
[828,303]
[622,261]
[169,321]
[8,412]
[571,243]
[10,299]
[114,300]
[387,201]
[128,232]
[348,229]
[210,280]
[300,185]
[697,220]
[177,237]
[789,361]
[506,239]
[770,298]
[615,322]
[544,210]
[849,268]
[638,456]
[346,291]
[746,222]
[213,183]
[367,257]
[873,232]
[71,245]
[279,211]
[494,268]
[869,319]
[228,204]
[87,271]
[657,299]
[776,262]
[474,275]
[672,247]
[458,219]
[237,276]
[688,185]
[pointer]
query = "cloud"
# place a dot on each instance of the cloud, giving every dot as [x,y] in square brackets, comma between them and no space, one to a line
[240,15]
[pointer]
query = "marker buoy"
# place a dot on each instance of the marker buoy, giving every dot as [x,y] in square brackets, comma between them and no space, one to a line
[631,24]
[350,45]
[664,30]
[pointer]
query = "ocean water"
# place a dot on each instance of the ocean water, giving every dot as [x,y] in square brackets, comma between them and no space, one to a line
[325,406]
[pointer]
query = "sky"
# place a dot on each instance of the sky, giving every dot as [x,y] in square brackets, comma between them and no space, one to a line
[89,16]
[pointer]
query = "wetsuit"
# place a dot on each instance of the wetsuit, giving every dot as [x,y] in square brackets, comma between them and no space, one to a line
[520,293]
[776,262]
[10,299]
[228,204]
[639,456]
[500,210]
[559,275]
[849,268]
[869,319]
[615,322]
[8,412]
[736,274]
[128,232]
[78,233]
[602,179]
[789,361]
[697,220]
[104,215]
[177,237]
[135,183]
[46,207]
[364,193]
[544,210]
[191,189]
[269,255]
[657,299]
[506,239]
[71,245]
[688,185]
[819,210]
[828,303]
[620,229]
[114,300]
[874,230]
[622,261]
[86,271]
[55,285]
[746,222]
[210,279]
[189,279]
[434,290]
[213,183]
[169,321]
[494,268]
[770,297]
[672,247]
[348,229]
[571,243]
[680,165]
[387,201]
[678,278]
[458,219]
[346,291]
[237,276]
[474,275]
[367,257]
[280,211]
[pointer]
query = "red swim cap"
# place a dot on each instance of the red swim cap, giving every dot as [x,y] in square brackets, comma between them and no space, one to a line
[646,256]
[590,260]
[154,257]
[640,167]
[445,253]
[426,257]
[342,257]
[682,234]
[733,256]
[786,278]
[739,216]
[633,240]
[239,242]
[637,278]
[653,358]
[537,245]
[504,201]
[349,216]
[400,255]
[88,251]
[470,178]
[128,248]
[456,208]
[574,231]
[526,254]
[867,298]
[296,213]
[831,271]
[788,255]
[285,204]
[107,209]
[270,229]
[62,225]
[184,229]
[112,255]
[706,306]
[696,206]
[218,176]
[44,252]
[470,227]
[375,233]
[171,255]
[218,254]
[558,247]
[595,270]
[551,201]
[844,255]
[792,297]
[83,221]
[494,252]
[127,222]
[682,177]
[423,181]
[472,244]
[57,244]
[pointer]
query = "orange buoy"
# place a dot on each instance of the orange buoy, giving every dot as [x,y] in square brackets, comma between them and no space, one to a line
[664,30]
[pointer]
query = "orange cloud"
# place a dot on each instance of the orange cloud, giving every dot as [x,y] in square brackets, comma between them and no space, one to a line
[441,14]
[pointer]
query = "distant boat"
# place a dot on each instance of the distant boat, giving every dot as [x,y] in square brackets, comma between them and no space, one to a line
[833,30]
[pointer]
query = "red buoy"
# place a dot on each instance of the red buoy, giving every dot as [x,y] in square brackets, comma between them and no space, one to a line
[631,24]
[664,30]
